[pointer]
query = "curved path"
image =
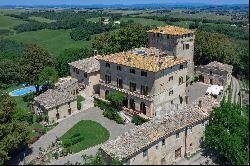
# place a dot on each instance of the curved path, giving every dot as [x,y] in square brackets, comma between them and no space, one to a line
[236,90]
[93,113]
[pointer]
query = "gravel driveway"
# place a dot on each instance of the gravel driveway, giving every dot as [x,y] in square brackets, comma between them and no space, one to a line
[93,113]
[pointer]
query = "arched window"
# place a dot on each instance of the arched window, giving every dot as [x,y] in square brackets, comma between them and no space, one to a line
[106,94]
[143,108]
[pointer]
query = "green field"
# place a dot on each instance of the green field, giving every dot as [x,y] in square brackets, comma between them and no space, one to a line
[55,41]
[144,21]
[41,19]
[12,11]
[90,133]
[204,15]
[184,24]
[7,22]
[94,19]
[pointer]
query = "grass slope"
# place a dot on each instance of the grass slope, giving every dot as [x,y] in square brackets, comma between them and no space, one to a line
[41,19]
[144,21]
[55,41]
[7,22]
[92,132]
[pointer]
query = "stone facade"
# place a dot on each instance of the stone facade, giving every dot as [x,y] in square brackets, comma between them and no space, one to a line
[174,41]
[215,73]
[154,87]
[87,72]
[59,102]
[163,141]
[55,104]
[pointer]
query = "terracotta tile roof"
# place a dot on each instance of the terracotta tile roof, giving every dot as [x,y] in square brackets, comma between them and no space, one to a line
[142,136]
[171,30]
[88,65]
[150,59]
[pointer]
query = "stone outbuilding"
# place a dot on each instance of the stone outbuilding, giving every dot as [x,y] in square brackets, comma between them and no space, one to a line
[163,141]
[215,73]
[87,72]
[56,104]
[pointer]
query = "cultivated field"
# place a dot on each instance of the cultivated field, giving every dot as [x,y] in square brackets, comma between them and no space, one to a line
[55,41]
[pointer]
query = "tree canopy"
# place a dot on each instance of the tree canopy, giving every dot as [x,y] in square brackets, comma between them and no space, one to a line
[33,61]
[116,98]
[228,133]
[13,133]
[9,72]
[132,36]
[48,76]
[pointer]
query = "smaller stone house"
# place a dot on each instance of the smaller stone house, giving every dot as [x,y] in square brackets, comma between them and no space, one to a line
[215,73]
[56,104]
[68,84]
[163,141]
[87,72]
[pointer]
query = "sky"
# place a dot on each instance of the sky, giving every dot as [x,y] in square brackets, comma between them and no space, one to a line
[110,2]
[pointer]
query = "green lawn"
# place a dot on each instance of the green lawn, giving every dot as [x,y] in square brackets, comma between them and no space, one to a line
[41,19]
[144,21]
[90,132]
[7,22]
[55,41]
[184,24]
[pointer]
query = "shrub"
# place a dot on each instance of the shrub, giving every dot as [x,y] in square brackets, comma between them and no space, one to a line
[113,115]
[79,100]
[39,118]
[116,98]
[74,139]
[137,120]
[33,139]
[103,105]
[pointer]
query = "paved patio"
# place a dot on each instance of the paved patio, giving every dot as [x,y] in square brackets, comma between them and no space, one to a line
[93,113]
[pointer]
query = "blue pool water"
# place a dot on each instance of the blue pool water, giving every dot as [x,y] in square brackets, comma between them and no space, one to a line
[23,91]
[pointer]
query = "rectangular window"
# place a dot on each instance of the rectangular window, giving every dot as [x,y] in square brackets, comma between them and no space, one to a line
[181,80]
[107,79]
[171,92]
[132,86]
[132,71]
[119,68]
[119,83]
[181,66]
[108,65]
[145,153]
[144,73]
[144,90]
[163,142]
[187,46]
[177,135]
[171,78]
[85,75]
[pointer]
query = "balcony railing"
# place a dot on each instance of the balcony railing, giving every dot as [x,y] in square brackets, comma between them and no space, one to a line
[136,94]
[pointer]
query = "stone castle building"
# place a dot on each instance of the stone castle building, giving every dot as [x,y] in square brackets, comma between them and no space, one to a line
[175,41]
[148,76]
[151,77]
[215,73]
[163,141]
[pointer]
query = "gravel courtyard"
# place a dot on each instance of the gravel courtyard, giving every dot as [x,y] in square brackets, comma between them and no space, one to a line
[94,114]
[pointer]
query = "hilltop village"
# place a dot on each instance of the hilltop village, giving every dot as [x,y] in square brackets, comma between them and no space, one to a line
[156,81]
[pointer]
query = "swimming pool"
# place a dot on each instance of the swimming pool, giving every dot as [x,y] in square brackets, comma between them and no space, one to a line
[23,91]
